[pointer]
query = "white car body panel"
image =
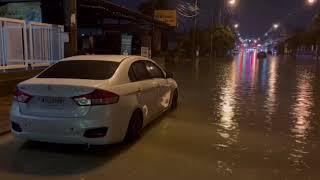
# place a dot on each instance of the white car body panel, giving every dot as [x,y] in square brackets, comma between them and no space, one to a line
[67,122]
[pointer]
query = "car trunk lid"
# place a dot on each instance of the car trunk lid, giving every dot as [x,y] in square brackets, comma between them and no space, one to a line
[53,97]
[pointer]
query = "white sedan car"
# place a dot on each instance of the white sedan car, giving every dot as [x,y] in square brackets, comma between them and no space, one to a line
[92,100]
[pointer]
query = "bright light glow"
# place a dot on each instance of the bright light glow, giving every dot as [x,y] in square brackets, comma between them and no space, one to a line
[311,2]
[232,2]
[236,26]
[276,26]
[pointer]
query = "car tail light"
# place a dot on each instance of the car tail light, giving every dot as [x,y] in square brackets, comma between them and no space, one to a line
[97,97]
[21,96]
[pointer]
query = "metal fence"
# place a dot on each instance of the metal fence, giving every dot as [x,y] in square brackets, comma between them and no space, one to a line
[24,45]
[45,43]
[13,47]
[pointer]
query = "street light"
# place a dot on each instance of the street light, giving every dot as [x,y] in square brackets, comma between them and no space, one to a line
[236,26]
[311,2]
[276,26]
[232,3]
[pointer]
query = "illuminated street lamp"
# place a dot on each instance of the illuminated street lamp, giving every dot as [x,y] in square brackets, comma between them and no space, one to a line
[227,4]
[236,26]
[311,2]
[276,26]
[232,3]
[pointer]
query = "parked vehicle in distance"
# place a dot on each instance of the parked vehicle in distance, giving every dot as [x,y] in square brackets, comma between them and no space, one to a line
[94,99]
[262,55]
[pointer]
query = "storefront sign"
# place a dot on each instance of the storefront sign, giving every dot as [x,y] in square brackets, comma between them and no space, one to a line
[166,16]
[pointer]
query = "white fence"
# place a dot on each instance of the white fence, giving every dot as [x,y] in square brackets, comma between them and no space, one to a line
[45,43]
[25,45]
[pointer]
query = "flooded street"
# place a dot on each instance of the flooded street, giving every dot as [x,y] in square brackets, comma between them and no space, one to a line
[264,115]
[241,118]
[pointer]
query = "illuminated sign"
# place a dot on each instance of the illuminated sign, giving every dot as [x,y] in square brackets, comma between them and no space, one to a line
[167,16]
[126,44]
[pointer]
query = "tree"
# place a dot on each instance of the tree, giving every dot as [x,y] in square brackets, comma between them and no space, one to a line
[3,10]
[184,47]
[316,23]
[223,40]
[307,40]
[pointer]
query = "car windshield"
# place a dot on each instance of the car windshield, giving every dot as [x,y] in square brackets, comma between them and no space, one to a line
[84,69]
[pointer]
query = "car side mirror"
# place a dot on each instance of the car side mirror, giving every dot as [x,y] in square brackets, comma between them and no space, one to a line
[169,75]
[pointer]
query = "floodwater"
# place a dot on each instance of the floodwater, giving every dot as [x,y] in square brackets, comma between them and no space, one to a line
[265,115]
[240,119]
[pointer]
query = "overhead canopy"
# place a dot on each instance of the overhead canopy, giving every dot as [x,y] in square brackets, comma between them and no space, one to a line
[99,9]
[91,10]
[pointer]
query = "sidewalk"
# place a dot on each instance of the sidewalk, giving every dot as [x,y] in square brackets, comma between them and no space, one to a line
[5,105]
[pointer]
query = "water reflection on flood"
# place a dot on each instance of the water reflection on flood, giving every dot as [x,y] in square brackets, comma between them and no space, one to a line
[264,106]
[271,100]
[229,126]
[301,111]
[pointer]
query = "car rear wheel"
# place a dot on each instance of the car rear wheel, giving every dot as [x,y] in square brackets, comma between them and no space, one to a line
[174,101]
[135,127]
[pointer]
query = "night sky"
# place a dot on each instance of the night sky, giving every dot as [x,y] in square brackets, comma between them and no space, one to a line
[256,16]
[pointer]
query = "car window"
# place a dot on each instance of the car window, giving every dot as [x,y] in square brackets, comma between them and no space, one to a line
[154,70]
[140,71]
[81,69]
[131,75]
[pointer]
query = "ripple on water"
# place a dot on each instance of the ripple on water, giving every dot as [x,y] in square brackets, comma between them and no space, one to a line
[262,112]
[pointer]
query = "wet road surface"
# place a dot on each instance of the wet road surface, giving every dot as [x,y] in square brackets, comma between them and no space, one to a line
[241,118]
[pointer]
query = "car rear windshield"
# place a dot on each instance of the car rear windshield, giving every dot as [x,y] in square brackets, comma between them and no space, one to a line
[82,69]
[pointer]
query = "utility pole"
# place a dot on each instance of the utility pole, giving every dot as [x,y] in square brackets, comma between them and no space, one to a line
[71,26]
[211,36]
[195,32]
[221,12]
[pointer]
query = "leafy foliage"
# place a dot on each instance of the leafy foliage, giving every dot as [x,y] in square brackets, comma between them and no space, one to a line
[223,40]
[306,39]
[28,11]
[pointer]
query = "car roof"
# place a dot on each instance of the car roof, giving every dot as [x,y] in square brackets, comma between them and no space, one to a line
[112,58]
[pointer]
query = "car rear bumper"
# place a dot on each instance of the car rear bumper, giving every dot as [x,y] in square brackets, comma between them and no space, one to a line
[61,139]
[66,130]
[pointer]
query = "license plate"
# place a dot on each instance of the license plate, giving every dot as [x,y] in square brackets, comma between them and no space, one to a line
[52,100]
